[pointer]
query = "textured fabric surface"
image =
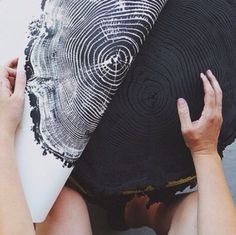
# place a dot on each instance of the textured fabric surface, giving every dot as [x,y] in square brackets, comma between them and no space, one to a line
[78,54]
[138,142]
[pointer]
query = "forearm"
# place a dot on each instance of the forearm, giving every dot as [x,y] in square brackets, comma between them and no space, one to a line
[15,218]
[216,210]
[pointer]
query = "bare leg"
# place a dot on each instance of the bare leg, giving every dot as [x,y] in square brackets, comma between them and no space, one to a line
[177,218]
[184,220]
[182,216]
[137,215]
[69,215]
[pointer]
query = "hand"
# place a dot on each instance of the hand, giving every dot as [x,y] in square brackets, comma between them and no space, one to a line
[12,86]
[201,136]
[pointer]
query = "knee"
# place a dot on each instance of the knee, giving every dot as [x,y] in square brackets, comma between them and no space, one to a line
[67,201]
[68,195]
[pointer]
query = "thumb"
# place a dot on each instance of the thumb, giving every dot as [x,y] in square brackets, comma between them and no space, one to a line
[20,83]
[184,114]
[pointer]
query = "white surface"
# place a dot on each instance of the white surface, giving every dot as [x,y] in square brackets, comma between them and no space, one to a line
[42,176]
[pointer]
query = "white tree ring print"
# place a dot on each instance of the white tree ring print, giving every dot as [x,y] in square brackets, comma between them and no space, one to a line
[78,54]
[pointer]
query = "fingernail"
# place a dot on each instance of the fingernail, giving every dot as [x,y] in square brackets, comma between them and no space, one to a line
[209,72]
[202,75]
[181,102]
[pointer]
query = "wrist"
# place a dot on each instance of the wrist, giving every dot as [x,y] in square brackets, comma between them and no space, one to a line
[205,152]
[206,156]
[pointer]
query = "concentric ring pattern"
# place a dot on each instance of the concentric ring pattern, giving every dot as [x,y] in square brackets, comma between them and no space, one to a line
[138,142]
[78,54]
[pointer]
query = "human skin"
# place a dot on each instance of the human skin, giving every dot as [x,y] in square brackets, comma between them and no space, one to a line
[15,218]
[194,213]
[199,213]
[69,215]
[210,210]
[216,209]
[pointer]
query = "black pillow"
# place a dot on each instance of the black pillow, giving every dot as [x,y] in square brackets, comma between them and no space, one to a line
[138,142]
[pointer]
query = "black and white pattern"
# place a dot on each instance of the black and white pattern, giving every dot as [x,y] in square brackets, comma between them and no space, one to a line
[79,53]
[138,145]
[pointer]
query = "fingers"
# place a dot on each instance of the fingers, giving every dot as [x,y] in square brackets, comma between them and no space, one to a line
[11,72]
[12,63]
[12,81]
[212,100]
[11,76]
[7,84]
[217,89]
[184,115]
[209,98]
[3,72]
[5,87]
[20,84]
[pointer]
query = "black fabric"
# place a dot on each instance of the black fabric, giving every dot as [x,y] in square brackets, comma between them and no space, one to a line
[138,142]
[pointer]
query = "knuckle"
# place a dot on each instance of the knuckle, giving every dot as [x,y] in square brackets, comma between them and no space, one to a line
[188,131]
[211,118]
[219,118]
[211,93]
[215,118]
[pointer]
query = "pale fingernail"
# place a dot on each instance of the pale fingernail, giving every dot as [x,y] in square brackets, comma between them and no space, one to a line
[209,72]
[181,102]
[202,75]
